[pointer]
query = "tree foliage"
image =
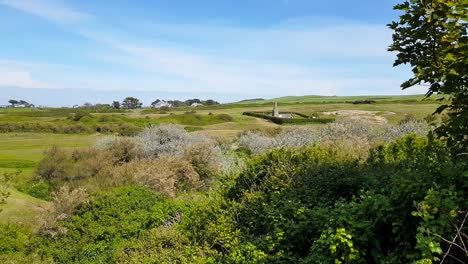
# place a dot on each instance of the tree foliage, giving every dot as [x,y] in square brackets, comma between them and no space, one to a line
[131,103]
[431,36]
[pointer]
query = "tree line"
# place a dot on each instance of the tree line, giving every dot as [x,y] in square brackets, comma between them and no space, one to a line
[134,103]
[15,103]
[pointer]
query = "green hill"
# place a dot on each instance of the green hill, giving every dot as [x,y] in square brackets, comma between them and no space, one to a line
[339,99]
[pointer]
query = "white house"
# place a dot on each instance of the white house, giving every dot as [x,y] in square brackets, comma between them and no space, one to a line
[162,104]
[196,104]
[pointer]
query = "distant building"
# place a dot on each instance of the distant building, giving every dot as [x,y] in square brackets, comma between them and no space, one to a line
[196,104]
[161,104]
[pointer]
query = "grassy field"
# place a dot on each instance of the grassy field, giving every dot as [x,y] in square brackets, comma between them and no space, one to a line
[21,209]
[22,151]
[221,120]
[341,99]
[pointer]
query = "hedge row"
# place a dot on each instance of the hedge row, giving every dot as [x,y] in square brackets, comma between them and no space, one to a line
[277,120]
[367,101]
[123,129]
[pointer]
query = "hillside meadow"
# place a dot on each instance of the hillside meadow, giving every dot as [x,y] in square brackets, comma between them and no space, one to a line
[211,185]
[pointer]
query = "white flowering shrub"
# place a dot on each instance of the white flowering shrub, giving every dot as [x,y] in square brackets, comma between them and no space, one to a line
[256,143]
[203,152]
[335,135]
[106,142]
[165,139]
[418,127]
[297,137]
[349,129]
[232,164]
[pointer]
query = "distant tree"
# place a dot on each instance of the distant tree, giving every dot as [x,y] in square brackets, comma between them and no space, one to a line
[191,101]
[102,106]
[25,103]
[431,36]
[210,102]
[13,102]
[155,102]
[131,103]
[116,105]
[87,105]
[177,103]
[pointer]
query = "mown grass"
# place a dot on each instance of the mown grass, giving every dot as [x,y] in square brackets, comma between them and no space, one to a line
[21,152]
[21,209]
[344,99]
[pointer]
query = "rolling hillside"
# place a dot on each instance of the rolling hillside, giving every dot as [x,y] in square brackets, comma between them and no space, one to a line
[338,99]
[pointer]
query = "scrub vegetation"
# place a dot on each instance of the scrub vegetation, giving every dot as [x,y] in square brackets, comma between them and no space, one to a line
[385,182]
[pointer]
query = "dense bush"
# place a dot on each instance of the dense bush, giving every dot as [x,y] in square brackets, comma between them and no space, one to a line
[348,137]
[39,189]
[296,204]
[97,229]
[313,206]
[164,158]
[121,128]
[303,120]
[165,175]
[367,101]
[64,202]
[172,140]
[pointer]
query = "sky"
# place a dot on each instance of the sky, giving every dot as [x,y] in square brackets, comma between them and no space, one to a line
[65,52]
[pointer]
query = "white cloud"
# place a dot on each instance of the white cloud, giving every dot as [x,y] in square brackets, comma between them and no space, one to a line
[53,10]
[293,57]
[20,79]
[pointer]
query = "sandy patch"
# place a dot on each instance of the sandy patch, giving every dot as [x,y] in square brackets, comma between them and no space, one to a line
[358,115]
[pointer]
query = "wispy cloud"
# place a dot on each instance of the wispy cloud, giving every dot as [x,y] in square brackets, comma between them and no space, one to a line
[13,76]
[53,10]
[301,56]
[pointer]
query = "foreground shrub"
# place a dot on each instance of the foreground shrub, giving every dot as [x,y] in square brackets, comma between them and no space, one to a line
[311,205]
[255,143]
[203,152]
[164,245]
[13,238]
[14,244]
[53,164]
[338,136]
[206,157]
[166,175]
[97,228]
[64,202]
[58,167]
[121,148]
[39,189]
[167,139]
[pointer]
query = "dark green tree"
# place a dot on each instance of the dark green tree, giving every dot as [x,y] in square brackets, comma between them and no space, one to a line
[131,103]
[155,102]
[192,101]
[177,103]
[13,102]
[431,36]
[210,102]
[116,105]
[25,103]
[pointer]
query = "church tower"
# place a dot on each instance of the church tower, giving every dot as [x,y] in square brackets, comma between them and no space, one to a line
[275,110]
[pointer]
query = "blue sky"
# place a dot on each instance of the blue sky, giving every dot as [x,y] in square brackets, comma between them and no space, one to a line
[68,51]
